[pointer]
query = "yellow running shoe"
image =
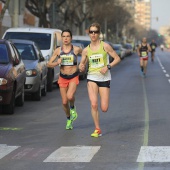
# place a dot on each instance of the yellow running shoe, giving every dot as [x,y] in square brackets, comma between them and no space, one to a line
[69,125]
[96,133]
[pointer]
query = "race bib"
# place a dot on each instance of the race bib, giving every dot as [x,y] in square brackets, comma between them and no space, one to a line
[153,47]
[67,60]
[144,53]
[96,61]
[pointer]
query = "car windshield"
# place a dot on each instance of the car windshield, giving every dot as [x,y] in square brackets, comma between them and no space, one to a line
[3,54]
[84,42]
[42,39]
[26,51]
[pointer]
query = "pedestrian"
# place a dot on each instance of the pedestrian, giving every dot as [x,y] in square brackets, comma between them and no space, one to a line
[162,47]
[66,57]
[143,50]
[98,77]
[153,46]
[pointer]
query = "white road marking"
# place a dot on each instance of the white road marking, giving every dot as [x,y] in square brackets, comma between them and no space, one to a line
[164,71]
[5,150]
[167,75]
[73,154]
[169,80]
[154,154]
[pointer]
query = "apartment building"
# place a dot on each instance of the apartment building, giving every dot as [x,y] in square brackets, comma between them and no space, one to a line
[142,14]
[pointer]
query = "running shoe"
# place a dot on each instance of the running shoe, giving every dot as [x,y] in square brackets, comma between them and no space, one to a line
[96,133]
[73,114]
[141,73]
[69,125]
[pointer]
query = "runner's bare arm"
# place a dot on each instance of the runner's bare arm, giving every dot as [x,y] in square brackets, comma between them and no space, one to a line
[83,60]
[113,54]
[52,62]
[149,48]
[77,50]
[138,50]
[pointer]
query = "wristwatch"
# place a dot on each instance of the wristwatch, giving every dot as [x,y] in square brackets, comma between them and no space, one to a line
[108,66]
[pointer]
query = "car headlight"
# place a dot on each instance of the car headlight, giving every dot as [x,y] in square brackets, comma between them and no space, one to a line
[3,81]
[31,72]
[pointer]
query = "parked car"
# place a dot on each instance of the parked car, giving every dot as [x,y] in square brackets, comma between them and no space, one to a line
[85,40]
[36,68]
[129,49]
[121,52]
[12,77]
[82,75]
[47,39]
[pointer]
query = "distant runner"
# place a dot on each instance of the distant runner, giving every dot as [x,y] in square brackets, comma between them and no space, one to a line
[153,46]
[143,50]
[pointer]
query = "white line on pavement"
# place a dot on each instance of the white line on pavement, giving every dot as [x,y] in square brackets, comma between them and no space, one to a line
[154,154]
[73,154]
[5,150]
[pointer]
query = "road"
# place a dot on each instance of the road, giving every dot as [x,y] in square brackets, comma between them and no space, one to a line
[135,128]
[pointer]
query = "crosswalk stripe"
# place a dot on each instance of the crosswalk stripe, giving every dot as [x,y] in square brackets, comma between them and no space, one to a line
[5,150]
[73,154]
[154,154]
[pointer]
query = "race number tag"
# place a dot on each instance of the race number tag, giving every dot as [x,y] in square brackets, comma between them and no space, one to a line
[67,60]
[96,61]
[144,54]
[153,47]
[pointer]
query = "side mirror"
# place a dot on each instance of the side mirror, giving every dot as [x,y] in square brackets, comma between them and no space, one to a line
[15,62]
[42,58]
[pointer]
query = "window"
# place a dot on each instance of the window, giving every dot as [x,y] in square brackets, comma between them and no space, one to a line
[3,54]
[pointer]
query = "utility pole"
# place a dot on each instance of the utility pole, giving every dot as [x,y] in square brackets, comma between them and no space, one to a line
[84,22]
[15,19]
[105,28]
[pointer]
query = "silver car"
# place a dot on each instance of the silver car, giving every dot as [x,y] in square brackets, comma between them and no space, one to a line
[36,68]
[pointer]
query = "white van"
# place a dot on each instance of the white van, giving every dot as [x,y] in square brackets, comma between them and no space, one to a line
[47,39]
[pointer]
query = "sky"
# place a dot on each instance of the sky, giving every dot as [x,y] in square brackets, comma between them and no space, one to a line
[160,9]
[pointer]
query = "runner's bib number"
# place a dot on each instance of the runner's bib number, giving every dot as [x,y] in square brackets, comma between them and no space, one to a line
[144,53]
[96,61]
[153,47]
[67,60]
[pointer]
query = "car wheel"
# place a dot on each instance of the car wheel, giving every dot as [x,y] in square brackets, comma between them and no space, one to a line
[11,107]
[20,99]
[44,90]
[37,95]
[49,80]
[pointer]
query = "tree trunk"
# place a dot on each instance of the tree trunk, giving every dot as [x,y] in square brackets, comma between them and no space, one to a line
[2,15]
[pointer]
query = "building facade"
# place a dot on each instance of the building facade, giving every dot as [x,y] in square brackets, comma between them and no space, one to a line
[142,14]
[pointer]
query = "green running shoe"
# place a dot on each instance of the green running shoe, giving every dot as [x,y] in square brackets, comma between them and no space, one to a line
[73,114]
[69,125]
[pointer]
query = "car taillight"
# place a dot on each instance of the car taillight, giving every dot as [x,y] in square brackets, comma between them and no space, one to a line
[3,81]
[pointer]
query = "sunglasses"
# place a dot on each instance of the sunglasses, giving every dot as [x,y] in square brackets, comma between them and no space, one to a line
[95,32]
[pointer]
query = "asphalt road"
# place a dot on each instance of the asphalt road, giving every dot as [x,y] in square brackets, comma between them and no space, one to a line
[135,128]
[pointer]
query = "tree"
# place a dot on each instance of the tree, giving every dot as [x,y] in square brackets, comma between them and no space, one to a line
[6,3]
[39,9]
